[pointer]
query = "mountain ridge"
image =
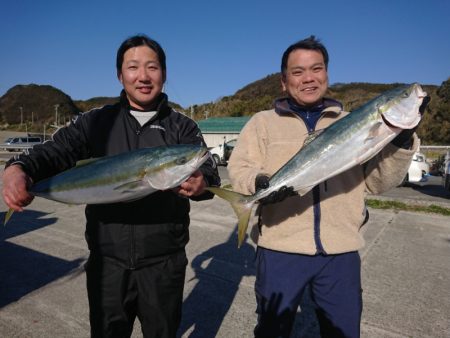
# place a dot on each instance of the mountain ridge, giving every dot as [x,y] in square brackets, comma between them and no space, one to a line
[29,104]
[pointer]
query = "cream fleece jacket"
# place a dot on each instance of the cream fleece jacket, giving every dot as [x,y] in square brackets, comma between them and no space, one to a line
[267,142]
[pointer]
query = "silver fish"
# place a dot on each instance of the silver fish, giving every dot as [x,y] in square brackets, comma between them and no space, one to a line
[124,177]
[348,142]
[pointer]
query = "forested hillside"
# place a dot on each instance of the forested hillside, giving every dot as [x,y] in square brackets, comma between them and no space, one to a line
[34,105]
[259,95]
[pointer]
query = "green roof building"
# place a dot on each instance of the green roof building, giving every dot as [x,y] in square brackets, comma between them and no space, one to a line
[216,130]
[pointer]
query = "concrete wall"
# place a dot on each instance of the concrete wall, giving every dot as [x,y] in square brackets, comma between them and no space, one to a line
[213,140]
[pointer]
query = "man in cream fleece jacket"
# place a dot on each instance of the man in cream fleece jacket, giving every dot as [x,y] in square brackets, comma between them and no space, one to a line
[314,239]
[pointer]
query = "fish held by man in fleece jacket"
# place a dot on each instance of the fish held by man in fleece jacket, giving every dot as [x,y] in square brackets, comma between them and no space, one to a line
[346,143]
[124,177]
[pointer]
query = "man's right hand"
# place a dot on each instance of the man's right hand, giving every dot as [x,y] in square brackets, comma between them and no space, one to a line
[263,182]
[15,188]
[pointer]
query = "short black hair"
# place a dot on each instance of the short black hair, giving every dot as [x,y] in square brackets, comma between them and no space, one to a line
[310,43]
[136,41]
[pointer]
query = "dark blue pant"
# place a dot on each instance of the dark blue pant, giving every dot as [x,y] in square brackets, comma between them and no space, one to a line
[335,282]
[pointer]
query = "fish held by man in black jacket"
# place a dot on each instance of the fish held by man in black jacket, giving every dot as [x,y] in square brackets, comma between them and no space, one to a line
[124,177]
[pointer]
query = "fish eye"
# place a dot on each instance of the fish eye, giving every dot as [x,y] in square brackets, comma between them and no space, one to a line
[181,160]
[405,94]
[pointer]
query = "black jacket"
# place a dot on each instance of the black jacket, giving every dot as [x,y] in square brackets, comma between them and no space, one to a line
[135,233]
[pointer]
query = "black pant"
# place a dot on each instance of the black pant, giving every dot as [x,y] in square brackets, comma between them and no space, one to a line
[153,293]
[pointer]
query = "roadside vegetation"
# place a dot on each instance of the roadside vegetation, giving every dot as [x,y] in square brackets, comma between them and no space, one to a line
[431,209]
[394,205]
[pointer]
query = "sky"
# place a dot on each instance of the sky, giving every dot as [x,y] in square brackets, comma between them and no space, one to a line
[214,48]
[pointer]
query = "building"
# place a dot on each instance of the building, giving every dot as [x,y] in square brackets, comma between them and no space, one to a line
[217,130]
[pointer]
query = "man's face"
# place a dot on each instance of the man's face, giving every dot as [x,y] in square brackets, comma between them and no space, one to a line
[306,77]
[141,76]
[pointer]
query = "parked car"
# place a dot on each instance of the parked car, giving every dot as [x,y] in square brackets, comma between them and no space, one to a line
[446,174]
[20,143]
[221,154]
[419,169]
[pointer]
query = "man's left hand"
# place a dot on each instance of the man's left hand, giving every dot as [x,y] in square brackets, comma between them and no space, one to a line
[193,186]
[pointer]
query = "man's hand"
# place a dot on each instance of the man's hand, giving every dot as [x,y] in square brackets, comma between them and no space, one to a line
[262,182]
[193,186]
[403,140]
[15,188]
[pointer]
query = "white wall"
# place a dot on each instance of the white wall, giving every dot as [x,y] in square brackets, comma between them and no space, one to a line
[213,140]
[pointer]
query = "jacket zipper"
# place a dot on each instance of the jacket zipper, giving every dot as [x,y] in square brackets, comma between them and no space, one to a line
[316,199]
[317,218]
[132,226]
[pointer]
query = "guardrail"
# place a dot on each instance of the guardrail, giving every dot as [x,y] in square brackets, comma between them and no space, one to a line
[16,147]
[435,147]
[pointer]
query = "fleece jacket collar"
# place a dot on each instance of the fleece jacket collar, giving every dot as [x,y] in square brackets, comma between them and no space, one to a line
[287,106]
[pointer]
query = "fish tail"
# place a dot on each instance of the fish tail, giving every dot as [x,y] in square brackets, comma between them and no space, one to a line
[8,216]
[241,205]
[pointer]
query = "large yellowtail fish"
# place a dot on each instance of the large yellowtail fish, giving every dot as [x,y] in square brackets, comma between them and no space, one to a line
[124,177]
[350,141]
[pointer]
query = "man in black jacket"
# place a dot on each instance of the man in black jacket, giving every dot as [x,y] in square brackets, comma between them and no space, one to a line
[137,259]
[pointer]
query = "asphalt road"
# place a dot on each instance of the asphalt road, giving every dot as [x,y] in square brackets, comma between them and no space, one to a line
[405,272]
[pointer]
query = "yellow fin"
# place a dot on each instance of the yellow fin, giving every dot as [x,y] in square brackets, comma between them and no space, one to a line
[241,205]
[8,216]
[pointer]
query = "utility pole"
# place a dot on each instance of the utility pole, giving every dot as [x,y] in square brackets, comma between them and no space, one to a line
[56,115]
[21,116]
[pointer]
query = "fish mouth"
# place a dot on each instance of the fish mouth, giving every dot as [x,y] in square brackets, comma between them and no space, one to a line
[206,155]
[405,115]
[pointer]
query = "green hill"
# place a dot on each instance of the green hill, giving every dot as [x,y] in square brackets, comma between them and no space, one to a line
[259,95]
[35,104]
[39,104]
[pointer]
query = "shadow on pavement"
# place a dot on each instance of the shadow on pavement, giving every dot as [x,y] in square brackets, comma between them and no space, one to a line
[218,272]
[23,270]
[435,190]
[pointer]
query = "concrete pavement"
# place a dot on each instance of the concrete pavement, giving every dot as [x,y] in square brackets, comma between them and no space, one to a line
[405,272]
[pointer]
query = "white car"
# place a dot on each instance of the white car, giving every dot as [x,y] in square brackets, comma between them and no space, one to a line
[419,169]
[221,154]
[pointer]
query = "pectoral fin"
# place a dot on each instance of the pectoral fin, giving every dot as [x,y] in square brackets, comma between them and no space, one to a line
[164,179]
[131,187]
[374,132]
[85,162]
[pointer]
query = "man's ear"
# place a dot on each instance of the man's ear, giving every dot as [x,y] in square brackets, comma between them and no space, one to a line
[119,76]
[283,82]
